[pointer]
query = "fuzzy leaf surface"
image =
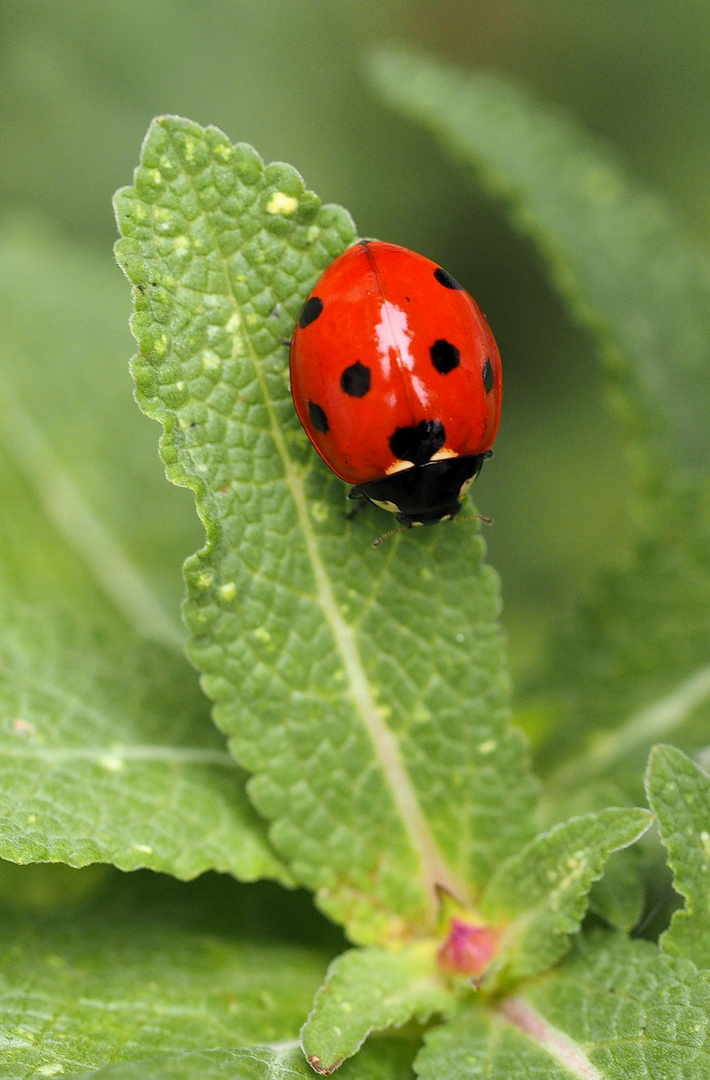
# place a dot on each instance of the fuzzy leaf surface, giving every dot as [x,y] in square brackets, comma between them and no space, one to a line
[539,896]
[81,994]
[632,669]
[679,794]
[368,990]
[379,1060]
[615,1009]
[107,752]
[364,690]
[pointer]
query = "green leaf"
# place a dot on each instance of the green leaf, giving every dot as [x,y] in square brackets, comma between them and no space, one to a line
[84,993]
[615,1009]
[71,430]
[107,752]
[107,755]
[368,990]
[613,250]
[619,896]
[679,794]
[365,690]
[383,1059]
[632,669]
[539,895]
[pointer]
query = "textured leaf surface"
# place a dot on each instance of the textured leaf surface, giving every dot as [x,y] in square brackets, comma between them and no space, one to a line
[379,1060]
[368,990]
[679,793]
[107,755]
[614,1010]
[80,995]
[540,894]
[632,669]
[364,689]
[107,752]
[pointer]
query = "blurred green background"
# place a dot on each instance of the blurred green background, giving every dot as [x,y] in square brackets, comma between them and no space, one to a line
[80,82]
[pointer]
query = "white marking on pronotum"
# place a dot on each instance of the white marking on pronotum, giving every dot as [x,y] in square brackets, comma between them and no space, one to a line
[558,1045]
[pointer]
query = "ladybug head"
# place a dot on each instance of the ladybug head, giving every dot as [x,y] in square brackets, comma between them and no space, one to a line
[424,494]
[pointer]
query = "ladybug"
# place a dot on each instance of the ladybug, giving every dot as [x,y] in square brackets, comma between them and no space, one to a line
[396,379]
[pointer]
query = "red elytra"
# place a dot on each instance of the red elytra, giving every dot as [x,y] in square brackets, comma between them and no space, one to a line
[396,379]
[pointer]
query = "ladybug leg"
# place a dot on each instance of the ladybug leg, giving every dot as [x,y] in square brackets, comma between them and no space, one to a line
[361,502]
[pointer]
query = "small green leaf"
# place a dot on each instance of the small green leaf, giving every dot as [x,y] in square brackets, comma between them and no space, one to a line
[539,895]
[615,1009]
[679,794]
[619,896]
[383,1059]
[80,994]
[366,691]
[368,990]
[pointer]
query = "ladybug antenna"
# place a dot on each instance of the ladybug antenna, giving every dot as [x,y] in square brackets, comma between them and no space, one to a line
[474,517]
[378,541]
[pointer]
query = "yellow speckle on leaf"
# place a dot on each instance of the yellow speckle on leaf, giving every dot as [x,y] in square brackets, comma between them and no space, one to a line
[160,345]
[487,747]
[262,634]
[189,150]
[54,1069]
[155,175]
[320,511]
[228,591]
[233,323]
[313,233]
[111,762]
[224,151]
[281,203]
[144,848]
[181,243]
[384,712]
[205,579]
[210,360]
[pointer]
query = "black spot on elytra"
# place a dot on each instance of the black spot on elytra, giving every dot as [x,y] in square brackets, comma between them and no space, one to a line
[311,310]
[355,380]
[418,444]
[318,417]
[445,279]
[444,356]
[487,376]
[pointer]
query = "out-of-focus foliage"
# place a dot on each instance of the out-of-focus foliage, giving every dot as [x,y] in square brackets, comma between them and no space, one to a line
[79,84]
